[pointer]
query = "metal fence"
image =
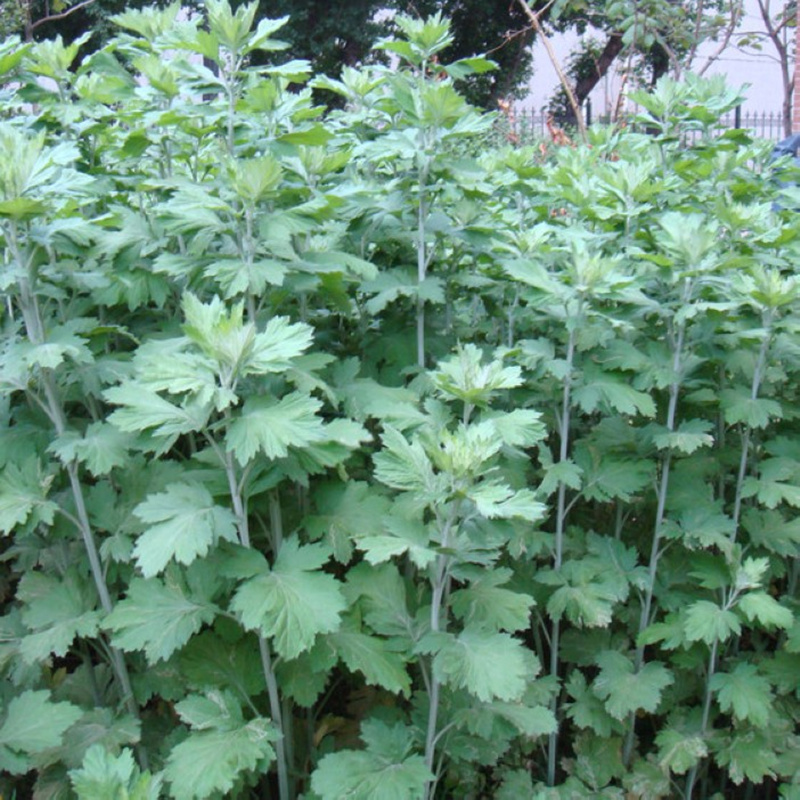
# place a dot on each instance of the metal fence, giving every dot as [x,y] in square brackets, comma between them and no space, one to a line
[531,125]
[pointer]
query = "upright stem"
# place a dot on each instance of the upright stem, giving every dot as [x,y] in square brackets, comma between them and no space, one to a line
[34,328]
[441,574]
[754,388]
[422,261]
[561,515]
[263,646]
[655,548]
[712,666]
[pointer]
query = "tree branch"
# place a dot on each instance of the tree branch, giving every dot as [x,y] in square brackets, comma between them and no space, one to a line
[551,54]
[62,15]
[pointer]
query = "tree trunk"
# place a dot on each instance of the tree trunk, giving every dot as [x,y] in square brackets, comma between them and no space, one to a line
[613,48]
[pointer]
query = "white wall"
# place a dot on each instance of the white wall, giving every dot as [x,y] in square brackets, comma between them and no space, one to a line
[760,70]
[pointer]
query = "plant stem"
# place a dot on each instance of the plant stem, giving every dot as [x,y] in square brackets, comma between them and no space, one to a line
[561,514]
[422,261]
[439,583]
[712,666]
[34,328]
[754,388]
[655,549]
[263,646]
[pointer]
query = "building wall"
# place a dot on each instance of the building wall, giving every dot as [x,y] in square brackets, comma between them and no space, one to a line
[759,71]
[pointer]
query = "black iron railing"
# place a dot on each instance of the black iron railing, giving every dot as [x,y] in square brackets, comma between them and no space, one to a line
[531,125]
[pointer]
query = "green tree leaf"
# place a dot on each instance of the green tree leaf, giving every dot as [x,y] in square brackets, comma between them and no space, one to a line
[208,660]
[690,436]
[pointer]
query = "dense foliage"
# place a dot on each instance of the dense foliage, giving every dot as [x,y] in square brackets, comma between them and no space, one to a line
[354,456]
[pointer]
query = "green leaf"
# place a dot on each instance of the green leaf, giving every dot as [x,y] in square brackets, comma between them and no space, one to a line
[604,388]
[745,693]
[56,611]
[690,436]
[208,660]
[280,343]
[496,500]
[381,593]
[764,608]
[598,760]
[370,656]
[294,601]
[102,447]
[183,523]
[587,710]
[403,465]
[103,776]
[776,483]
[484,604]
[23,495]
[519,428]
[624,690]
[105,727]
[272,428]
[386,769]
[465,377]
[33,724]
[748,755]
[469,66]
[707,622]
[739,407]
[346,512]
[143,409]
[158,618]
[220,748]
[488,665]
[587,591]
[401,536]
[564,472]
[304,678]
[679,751]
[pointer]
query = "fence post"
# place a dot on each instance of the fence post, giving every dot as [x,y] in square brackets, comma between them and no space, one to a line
[737,116]
[588,111]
